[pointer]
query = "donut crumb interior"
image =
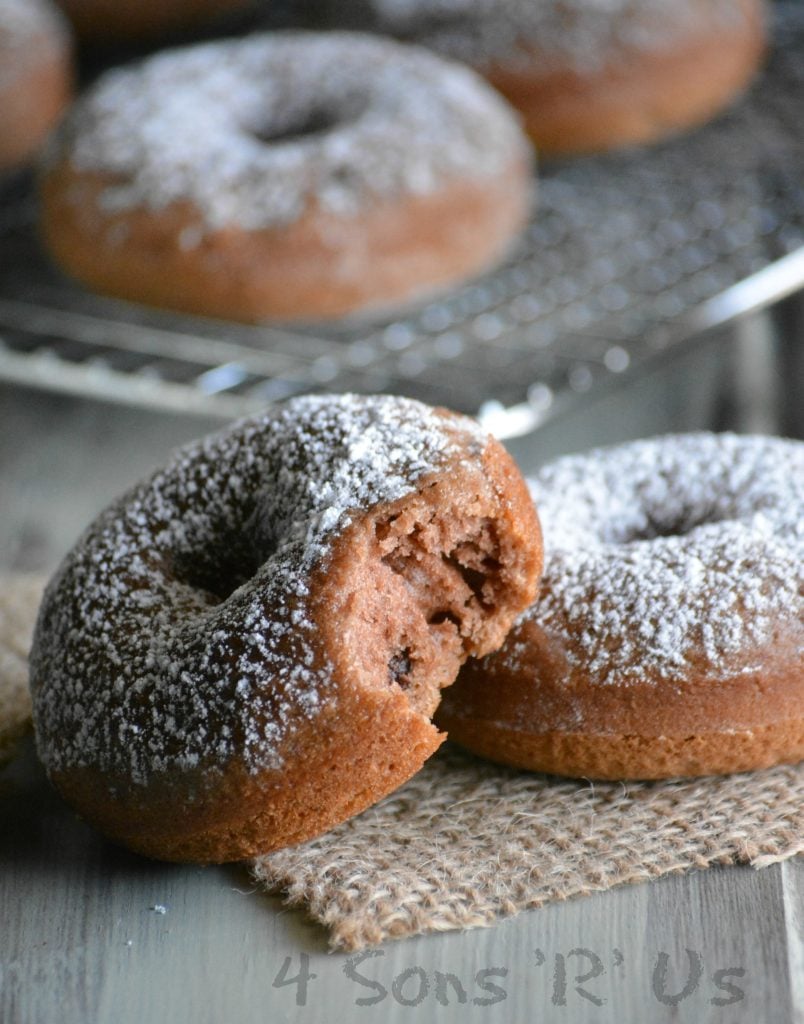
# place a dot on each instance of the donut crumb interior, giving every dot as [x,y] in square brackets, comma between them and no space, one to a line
[424,592]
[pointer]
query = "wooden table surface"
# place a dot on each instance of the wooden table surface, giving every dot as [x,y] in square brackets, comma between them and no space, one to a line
[90,933]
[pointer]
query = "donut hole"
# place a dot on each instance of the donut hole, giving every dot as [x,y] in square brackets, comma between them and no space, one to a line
[658,525]
[314,122]
[217,571]
[306,124]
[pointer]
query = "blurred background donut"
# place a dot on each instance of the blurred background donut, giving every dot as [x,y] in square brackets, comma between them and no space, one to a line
[35,76]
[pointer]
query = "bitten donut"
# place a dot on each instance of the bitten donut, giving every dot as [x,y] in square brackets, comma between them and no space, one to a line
[247,648]
[587,75]
[35,76]
[110,21]
[668,638]
[290,176]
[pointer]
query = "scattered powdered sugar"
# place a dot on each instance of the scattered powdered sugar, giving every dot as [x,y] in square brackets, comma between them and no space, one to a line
[176,633]
[659,549]
[25,24]
[583,33]
[255,131]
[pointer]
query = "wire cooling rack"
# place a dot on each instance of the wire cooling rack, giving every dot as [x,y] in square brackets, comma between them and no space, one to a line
[628,256]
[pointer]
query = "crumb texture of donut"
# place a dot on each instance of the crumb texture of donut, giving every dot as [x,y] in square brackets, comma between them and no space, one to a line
[247,648]
[668,637]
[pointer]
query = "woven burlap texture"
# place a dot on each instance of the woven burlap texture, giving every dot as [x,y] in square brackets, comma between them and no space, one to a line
[19,600]
[465,843]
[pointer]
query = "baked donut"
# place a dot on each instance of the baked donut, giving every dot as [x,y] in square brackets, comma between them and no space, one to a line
[285,175]
[668,639]
[35,76]
[247,648]
[109,21]
[587,75]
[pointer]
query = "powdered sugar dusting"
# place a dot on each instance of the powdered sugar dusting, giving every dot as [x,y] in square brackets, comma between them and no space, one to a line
[176,634]
[254,132]
[583,33]
[659,549]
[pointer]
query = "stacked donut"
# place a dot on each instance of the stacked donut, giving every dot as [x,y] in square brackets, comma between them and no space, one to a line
[669,635]
[248,647]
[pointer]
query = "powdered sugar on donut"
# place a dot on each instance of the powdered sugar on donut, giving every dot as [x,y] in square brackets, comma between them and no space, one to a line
[665,551]
[176,634]
[582,33]
[225,126]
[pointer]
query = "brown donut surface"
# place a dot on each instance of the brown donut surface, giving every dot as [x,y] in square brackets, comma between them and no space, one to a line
[247,648]
[668,638]
[35,76]
[285,176]
[586,75]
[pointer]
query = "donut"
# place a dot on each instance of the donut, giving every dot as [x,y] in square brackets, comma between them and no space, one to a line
[285,175]
[589,76]
[110,21]
[668,637]
[247,648]
[35,76]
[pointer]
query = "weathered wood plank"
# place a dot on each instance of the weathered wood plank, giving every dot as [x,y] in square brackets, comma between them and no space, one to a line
[792,874]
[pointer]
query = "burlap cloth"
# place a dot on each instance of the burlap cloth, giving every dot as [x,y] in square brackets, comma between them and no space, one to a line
[465,842]
[19,600]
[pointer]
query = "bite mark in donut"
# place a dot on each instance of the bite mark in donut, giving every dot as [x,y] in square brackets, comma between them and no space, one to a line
[247,648]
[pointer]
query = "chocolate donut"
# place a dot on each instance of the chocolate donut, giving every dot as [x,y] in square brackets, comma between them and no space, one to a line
[35,76]
[247,648]
[290,176]
[587,75]
[668,638]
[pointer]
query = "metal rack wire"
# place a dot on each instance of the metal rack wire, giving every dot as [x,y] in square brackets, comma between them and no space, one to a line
[628,256]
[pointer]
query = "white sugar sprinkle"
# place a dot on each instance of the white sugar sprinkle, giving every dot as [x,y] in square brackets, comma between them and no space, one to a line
[205,124]
[176,633]
[659,548]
